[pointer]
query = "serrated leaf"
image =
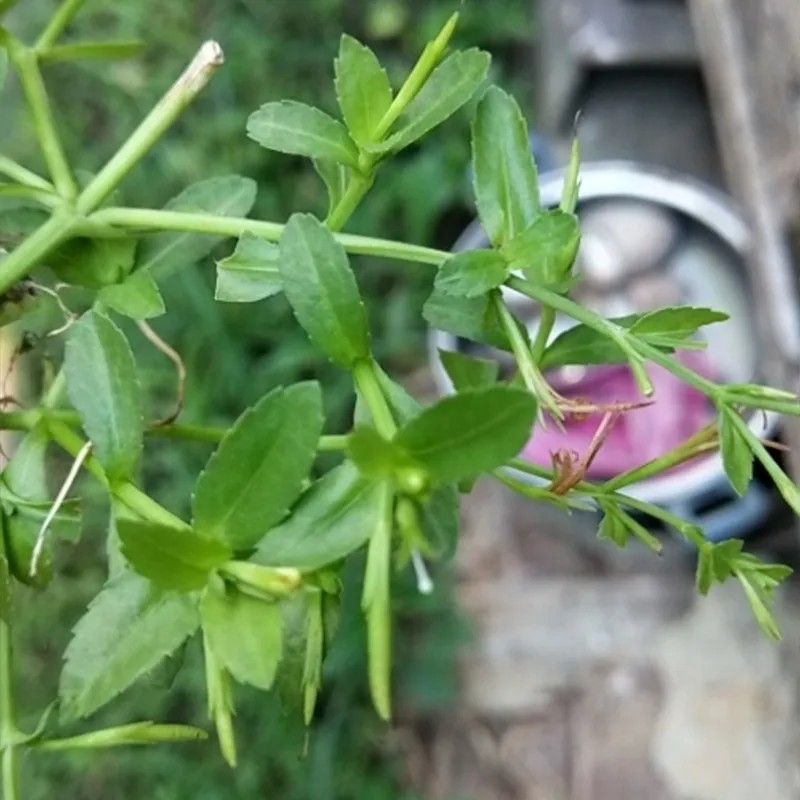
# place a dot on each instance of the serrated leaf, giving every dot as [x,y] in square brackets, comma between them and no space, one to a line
[172,558]
[449,87]
[471,318]
[362,88]
[472,273]
[470,433]
[322,290]
[667,329]
[468,372]
[334,176]
[136,297]
[259,467]
[226,196]
[244,632]
[251,273]
[103,387]
[505,179]
[94,263]
[737,456]
[678,322]
[298,129]
[546,249]
[127,630]
[332,519]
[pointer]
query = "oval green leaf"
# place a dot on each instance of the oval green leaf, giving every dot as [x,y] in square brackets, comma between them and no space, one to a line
[259,468]
[103,387]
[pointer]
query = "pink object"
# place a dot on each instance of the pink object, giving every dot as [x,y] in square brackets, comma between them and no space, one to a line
[678,411]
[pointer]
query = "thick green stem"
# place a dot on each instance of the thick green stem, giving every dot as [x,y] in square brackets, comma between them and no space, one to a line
[368,386]
[208,59]
[145,220]
[359,185]
[33,86]
[23,175]
[66,11]
[17,264]
[8,725]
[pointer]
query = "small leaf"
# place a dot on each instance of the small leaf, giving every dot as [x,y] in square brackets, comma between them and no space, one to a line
[613,528]
[226,196]
[439,520]
[103,387]
[26,498]
[546,249]
[301,130]
[362,88]
[322,290]
[172,558]
[136,297]
[448,88]
[470,433]
[374,456]
[334,176]
[471,318]
[137,733]
[678,322]
[333,518]
[244,632]
[83,51]
[737,457]
[468,372]
[504,173]
[312,664]
[376,604]
[251,273]
[128,629]
[472,273]
[259,467]
[94,263]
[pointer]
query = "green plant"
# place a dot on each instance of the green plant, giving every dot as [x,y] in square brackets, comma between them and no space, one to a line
[258,573]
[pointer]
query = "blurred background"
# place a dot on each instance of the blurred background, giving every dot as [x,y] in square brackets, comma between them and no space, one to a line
[234,354]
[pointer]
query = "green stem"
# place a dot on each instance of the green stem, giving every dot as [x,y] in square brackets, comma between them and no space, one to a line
[33,86]
[547,320]
[26,420]
[368,386]
[534,380]
[66,11]
[146,220]
[23,175]
[8,725]
[135,499]
[558,302]
[20,261]
[416,79]
[359,185]
[208,59]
